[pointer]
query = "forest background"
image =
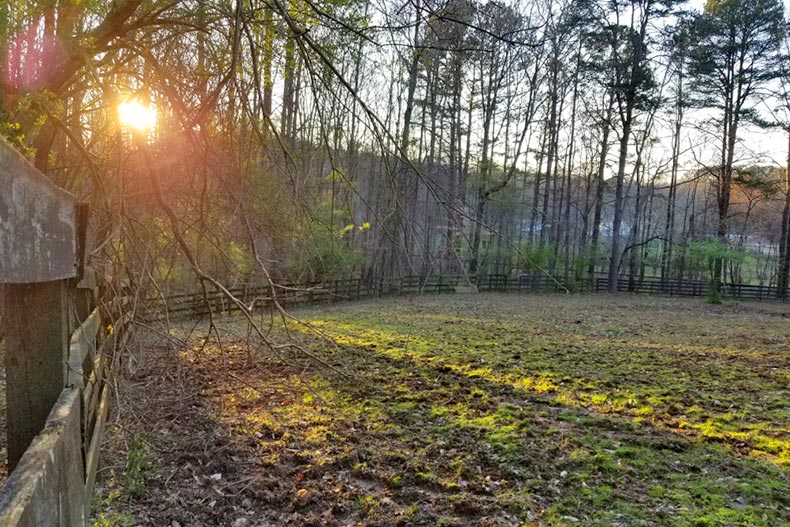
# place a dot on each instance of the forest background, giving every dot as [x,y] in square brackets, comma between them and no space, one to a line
[304,140]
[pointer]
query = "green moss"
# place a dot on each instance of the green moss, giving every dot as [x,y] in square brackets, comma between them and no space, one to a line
[610,411]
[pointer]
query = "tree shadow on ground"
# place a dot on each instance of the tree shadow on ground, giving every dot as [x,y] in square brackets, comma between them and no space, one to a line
[405,442]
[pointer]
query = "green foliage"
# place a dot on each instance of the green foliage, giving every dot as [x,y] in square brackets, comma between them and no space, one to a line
[12,133]
[112,520]
[326,247]
[735,44]
[136,473]
[125,486]
[765,180]
[535,257]
[714,295]
[618,55]
[581,264]
[704,254]
[241,257]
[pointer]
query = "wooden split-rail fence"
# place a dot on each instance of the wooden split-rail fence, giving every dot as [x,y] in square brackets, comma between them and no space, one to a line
[62,327]
[192,305]
[657,286]
[185,305]
[638,285]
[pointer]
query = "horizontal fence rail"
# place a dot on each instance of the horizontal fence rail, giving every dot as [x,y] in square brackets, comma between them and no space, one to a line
[291,295]
[54,481]
[522,284]
[656,286]
[46,487]
[189,305]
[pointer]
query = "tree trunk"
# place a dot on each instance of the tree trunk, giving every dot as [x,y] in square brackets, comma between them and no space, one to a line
[533,219]
[268,58]
[289,74]
[401,241]
[599,187]
[550,158]
[669,221]
[634,256]
[619,203]
[784,239]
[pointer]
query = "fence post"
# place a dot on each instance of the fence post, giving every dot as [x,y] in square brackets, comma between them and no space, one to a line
[38,242]
[37,329]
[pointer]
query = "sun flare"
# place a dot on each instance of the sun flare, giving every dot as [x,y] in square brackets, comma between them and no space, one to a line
[136,115]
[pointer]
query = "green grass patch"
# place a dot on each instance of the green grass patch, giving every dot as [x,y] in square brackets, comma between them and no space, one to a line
[541,410]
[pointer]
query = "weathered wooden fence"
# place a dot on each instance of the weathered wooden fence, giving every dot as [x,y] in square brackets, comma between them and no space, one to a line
[646,285]
[181,305]
[186,305]
[60,351]
[534,283]
[656,286]
[53,482]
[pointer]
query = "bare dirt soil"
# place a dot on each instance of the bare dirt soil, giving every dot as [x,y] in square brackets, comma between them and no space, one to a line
[476,410]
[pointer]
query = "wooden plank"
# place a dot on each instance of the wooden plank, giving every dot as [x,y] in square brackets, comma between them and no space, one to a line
[89,329]
[36,328]
[86,293]
[74,377]
[46,489]
[88,280]
[82,347]
[38,225]
[92,391]
[92,454]
[87,395]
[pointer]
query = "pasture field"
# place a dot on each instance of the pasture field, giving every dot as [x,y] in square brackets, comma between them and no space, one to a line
[456,410]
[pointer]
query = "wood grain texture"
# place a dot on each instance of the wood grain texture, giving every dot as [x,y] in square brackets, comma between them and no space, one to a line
[46,489]
[38,235]
[36,328]
[94,447]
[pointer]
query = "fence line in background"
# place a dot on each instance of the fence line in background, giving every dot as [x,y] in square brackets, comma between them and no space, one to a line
[291,295]
[656,286]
